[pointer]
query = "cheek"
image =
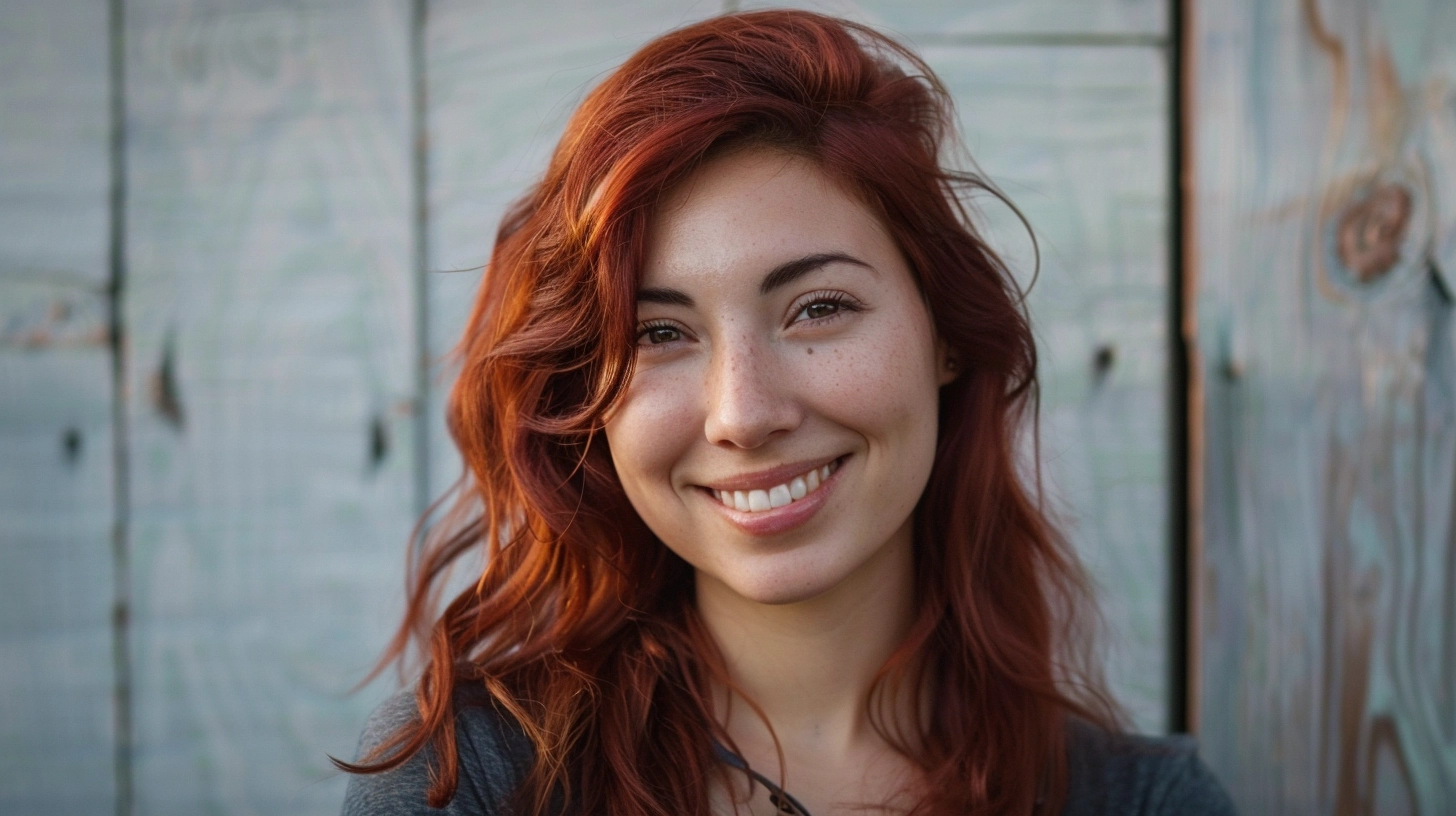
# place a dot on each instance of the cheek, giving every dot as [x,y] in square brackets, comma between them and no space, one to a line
[650,430]
[881,382]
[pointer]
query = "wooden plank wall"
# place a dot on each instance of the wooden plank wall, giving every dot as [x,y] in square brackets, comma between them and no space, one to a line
[57,509]
[270,388]
[1324,251]
[273,324]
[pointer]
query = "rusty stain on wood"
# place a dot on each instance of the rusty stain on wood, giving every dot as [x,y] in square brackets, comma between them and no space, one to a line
[72,321]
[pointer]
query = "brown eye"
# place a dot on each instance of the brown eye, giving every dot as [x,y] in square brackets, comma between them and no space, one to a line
[820,308]
[657,335]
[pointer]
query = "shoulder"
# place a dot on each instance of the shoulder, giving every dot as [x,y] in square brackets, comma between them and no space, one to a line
[494,756]
[1115,773]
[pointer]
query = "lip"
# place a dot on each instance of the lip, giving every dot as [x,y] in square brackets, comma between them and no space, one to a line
[764,479]
[779,519]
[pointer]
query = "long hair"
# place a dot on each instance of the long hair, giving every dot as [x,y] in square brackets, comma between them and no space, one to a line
[582,624]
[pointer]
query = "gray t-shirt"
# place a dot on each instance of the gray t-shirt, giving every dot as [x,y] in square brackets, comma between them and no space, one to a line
[1117,774]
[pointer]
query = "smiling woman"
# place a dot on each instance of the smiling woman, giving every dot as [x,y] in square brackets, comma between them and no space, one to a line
[739,403]
[749,268]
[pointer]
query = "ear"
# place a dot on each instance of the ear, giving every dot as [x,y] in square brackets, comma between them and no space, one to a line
[947,367]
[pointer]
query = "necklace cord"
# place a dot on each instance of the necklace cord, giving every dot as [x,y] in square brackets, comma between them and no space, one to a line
[781,798]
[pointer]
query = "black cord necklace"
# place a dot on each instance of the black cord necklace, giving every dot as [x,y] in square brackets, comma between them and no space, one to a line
[778,796]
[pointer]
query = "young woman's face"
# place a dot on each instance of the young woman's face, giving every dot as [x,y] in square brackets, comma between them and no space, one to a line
[781,422]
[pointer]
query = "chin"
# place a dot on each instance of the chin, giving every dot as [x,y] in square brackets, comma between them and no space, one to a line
[776,588]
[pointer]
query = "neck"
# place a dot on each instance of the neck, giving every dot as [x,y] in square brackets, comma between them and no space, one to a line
[809,666]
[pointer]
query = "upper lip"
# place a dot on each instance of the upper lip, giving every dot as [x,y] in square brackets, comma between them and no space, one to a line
[764,479]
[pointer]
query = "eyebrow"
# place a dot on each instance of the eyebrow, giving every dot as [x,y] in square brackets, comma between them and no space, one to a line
[781,275]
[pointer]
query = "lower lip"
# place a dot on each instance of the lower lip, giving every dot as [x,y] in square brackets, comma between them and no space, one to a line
[780,519]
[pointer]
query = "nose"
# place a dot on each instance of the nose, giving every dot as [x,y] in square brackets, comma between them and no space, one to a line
[750,396]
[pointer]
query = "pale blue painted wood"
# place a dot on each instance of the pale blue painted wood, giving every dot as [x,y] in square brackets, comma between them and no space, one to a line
[56,498]
[503,78]
[1077,139]
[978,19]
[270,389]
[54,159]
[56,516]
[1328,576]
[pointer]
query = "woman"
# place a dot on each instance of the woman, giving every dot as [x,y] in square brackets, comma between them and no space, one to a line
[738,402]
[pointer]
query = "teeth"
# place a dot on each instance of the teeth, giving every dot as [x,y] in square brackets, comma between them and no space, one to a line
[756,501]
[797,489]
[779,495]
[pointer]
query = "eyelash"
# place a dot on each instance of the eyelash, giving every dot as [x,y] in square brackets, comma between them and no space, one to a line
[842,302]
[651,326]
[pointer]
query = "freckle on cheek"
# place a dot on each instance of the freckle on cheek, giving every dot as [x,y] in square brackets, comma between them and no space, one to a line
[811,351]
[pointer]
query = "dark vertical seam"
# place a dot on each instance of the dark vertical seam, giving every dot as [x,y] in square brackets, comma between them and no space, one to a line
[419,133]
[1179,460]
[121,493]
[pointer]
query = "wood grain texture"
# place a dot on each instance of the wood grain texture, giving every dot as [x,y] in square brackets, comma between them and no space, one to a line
[1329,368]
[1076,137]
[54,159]
[270,389]
[56,499]
[1046,21]
[56,517]
[503,78]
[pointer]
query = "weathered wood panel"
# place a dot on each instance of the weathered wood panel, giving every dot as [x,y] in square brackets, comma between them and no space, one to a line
[1037,20]
[54,155]
[1324,136]
[503,78]
[56,516]
[270,315]
[1077,138]
[56,500]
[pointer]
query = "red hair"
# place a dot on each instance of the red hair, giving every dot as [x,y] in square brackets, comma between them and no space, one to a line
[582,624]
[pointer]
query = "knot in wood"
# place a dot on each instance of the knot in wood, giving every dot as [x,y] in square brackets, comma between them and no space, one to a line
[1371,229]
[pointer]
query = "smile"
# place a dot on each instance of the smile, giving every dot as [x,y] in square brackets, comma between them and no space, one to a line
[779,495]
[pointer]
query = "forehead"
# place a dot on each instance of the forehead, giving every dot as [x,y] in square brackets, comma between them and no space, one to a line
[746,211]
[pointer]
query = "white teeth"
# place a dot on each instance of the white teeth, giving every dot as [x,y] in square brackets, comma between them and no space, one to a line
[797,489]
[778,496]
[756,501]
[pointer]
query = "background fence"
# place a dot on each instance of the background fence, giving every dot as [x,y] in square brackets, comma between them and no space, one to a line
[225,234]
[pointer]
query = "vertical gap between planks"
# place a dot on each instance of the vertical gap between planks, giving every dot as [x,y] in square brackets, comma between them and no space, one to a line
[121,494]
[1183,20]
[1182,465]
[420,167]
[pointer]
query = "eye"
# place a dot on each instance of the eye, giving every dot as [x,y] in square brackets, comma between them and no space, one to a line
[822,306]
[658,334]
